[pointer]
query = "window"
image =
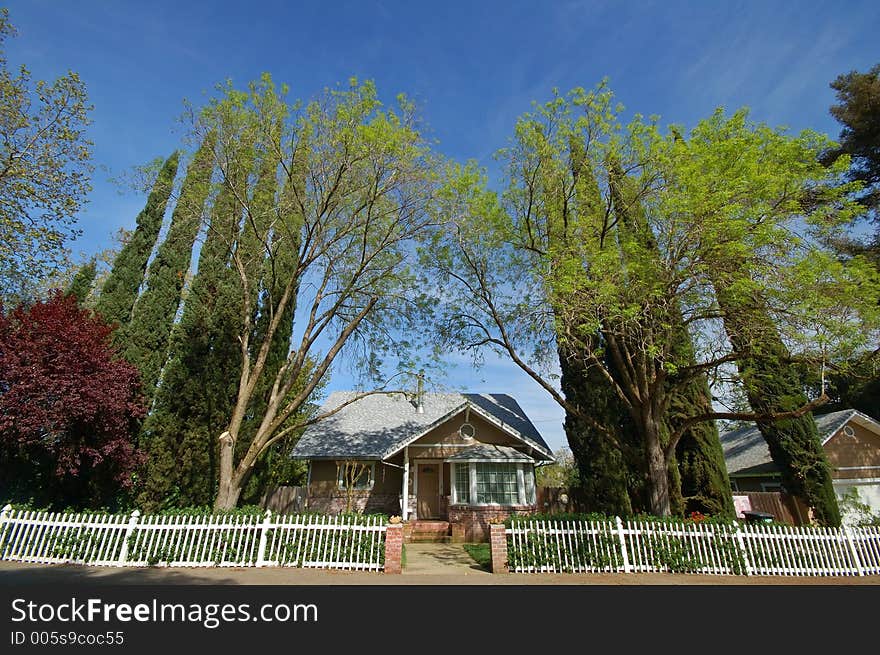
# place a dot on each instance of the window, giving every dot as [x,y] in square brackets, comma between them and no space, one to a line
[491,483]
[496,484]
[360,475]
[462,483]
[529,476]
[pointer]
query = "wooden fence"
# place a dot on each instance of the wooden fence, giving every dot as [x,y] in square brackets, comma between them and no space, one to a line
[784,507]
[284,500]
[310,541]
[535,546]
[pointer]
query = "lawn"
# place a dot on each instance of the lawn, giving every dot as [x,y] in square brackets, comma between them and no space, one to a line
[481,554]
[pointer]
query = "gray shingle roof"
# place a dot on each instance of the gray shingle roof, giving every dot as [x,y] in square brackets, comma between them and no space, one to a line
[377,426]
[746,452]
[489,452]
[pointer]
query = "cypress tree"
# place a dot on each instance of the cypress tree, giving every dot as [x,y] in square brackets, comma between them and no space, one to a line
[773,384]
[705,485]
[82,282]
[121,289]
[146,337]
[604,468]
[698,475]
[198,384]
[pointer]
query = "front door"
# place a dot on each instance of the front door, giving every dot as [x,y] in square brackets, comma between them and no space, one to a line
[428,496]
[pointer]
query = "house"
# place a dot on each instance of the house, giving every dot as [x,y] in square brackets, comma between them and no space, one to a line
[457,460]
[852,444]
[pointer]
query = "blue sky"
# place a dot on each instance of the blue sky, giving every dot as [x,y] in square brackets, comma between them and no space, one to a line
[472,66]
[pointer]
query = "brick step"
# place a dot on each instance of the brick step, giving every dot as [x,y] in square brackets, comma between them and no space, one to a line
[430,526]
[426,531]
[427,538]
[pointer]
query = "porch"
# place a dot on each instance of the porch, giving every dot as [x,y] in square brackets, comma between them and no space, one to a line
[459,496]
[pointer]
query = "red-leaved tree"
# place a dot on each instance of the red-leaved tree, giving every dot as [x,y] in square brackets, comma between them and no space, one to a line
[69,406]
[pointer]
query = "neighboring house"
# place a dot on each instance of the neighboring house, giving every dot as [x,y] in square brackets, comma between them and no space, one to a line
[465,459]
[852,444]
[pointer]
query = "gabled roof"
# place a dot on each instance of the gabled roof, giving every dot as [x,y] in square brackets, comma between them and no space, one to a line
[380,425]
[746,452]
[486,452]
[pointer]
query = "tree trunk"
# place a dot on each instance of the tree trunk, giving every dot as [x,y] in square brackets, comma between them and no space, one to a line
[657,468]
[230,488]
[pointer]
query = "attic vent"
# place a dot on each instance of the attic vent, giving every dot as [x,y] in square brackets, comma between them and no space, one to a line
[467,431]
[848,431]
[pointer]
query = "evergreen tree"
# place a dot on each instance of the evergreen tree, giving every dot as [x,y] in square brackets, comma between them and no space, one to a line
[146,337]
[199,380]
[698,479]
[858,111]
[121,289]
[773,384]
[82,282]
[705,485]
[604,464]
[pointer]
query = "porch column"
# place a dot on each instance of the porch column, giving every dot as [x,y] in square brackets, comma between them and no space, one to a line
[404,501]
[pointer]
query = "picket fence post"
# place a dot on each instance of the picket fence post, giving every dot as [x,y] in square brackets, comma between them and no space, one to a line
[129,532]
[741,544]
[620,535]
[852,550]
[4,518]
[264,538]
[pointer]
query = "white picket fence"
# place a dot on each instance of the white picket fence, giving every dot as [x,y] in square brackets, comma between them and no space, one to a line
[642,546]
[310,541]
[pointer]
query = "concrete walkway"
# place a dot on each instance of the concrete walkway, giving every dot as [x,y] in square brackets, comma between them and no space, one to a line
[440,559]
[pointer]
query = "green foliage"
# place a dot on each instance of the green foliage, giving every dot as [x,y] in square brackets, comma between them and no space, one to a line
[562,473]
[146,337]
[81,285]
[705,486]
[858,111]
[120,291]
[534,549]
[856,512]
[197,390]
[481,554]
[668,548]
[340,545]
[44,175]
[608,474]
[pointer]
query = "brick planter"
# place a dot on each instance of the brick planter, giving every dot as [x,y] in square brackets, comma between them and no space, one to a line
[498,547]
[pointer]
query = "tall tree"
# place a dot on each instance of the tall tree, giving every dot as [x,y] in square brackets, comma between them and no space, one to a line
[45,171]
[121,289]
[858,111]
[146,337]
[195,393]
[609,470]
[546,268]
[368,180]
[81,285]
[765,189]
[68,407]
[700,476]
